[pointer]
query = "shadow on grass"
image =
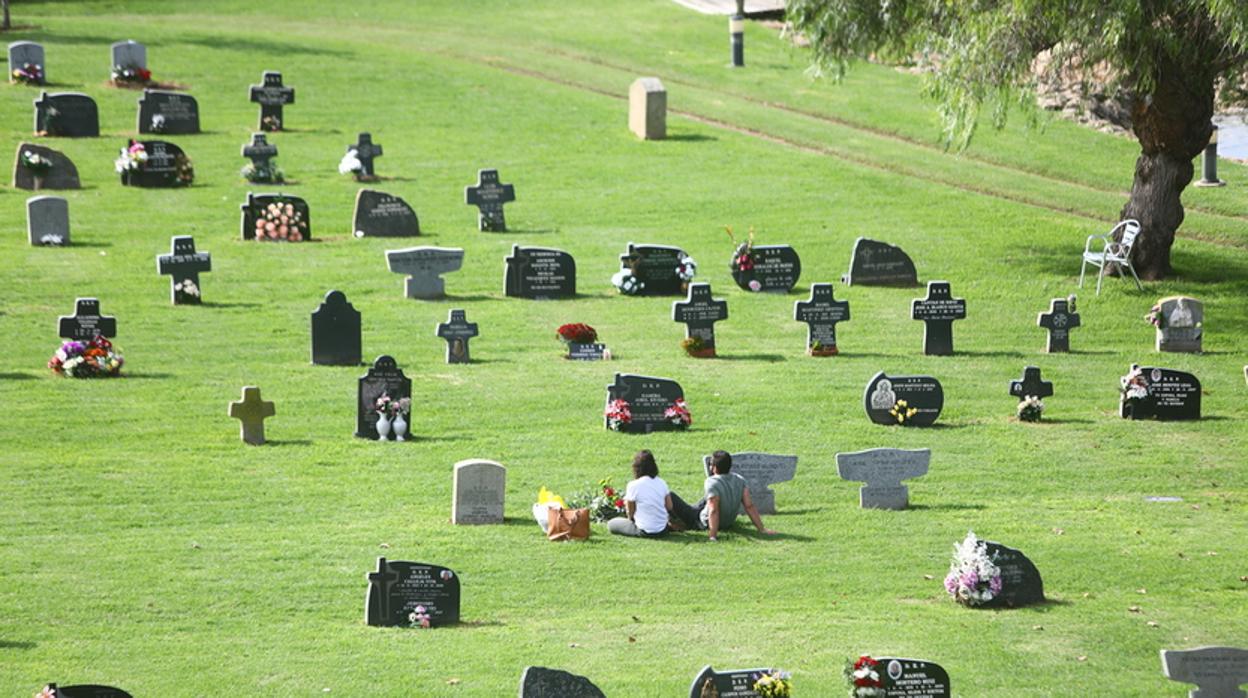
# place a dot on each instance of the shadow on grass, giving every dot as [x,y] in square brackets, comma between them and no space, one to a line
[995,354]
[490,361]
[17,645]
[15,376]
[252,47]
[796,512]
[477,624]
[691,137]
[287,442]
[146,376]
[75,243]
[946,507]
[525,231]
[459,298]
[769,358]
[431,439]
[219,304]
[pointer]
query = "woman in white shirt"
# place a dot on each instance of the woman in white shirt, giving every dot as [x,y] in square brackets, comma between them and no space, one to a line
[647,501]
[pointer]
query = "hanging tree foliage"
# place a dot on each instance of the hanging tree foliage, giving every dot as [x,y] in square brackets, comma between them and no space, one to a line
[1166,56]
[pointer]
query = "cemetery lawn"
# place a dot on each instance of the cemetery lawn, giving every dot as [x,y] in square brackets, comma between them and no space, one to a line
[145,546]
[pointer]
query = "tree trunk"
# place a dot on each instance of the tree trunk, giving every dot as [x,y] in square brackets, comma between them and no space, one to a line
[1173,124]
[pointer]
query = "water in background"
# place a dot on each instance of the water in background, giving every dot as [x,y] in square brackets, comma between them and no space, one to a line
[1232,135]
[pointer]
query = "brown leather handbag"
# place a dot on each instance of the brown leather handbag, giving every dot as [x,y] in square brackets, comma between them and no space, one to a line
[567,524]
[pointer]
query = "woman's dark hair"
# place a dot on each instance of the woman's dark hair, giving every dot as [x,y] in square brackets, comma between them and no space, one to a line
[644,465]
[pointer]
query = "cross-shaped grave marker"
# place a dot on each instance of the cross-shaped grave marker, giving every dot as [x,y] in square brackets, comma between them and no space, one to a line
[489,196]
[272,95]
[424,267]
[1217,672]
[183,265]
[365,152]
[700,312]
[379,584]
[1059,321]
[86,322]
[457,331]
[260,151]
[821,312]
[251,412]
[938,311]
[883,469]
[1031,384]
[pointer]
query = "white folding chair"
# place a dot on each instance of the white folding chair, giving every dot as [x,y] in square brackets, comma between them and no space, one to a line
[1112,252]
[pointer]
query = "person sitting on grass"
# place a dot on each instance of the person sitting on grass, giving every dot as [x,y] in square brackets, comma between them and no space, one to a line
[647,501]
[726,496]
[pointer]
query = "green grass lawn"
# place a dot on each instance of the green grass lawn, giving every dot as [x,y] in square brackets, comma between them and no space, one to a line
[145,546]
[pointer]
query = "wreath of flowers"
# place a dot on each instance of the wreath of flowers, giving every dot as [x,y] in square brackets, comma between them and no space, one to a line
[132,157]
[864,678]
[618,414]
[36,163]
[131,75]
[903,411]
[1030,408]
[627,283]
[280,220]
[185,171]
[92,359]
[1134,385]
[773,683]
[973,578]
[577,333]
[678,413]
[29,74]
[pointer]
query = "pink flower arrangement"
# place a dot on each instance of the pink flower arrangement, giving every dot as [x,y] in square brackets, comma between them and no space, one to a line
[282,222]
[93,359]
[618,414]
[678,413]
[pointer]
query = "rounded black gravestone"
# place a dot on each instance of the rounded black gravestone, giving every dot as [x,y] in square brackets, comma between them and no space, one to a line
[1020,580]
[912,401]
[772,268]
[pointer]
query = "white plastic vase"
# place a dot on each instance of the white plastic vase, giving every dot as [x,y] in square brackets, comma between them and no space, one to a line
[383,426]
[400,427]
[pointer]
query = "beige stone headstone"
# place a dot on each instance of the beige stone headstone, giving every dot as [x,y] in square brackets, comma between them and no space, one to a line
[479,488]
[647,109]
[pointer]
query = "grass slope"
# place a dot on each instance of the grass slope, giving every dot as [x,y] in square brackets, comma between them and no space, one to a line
[144,546]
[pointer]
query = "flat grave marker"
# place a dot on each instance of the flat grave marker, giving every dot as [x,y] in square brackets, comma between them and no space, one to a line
[1218,672]
[86,322]
[183,265]
[874,263]
[478,488]
[170,113]
[67,114]
[821,312]
[457,331]
[336,332]
[397,590]
[913,678]
[1171,395]
[922,395]
[47,220]
[23,53]
[1059,321]
[883,469]
[1182,324]
[271,95]
[489,195]
[1031,385]
[540,682]
[648,399]
[699,312]
[656,267]
[938,311]
[647,109]
[378,214]
[761,471]
[60,172]
[424,267]
[539,273]
[384,377]
[776,269]
[251,412]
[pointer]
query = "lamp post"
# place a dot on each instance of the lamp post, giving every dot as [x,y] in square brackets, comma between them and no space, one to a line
[736,29]
[1209,161]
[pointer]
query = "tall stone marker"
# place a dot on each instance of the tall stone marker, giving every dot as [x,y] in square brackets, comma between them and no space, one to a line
[1059,321]
[477,492]
[938,311]
[883,469]
[647,109]
[271,95]
[47,220]
[540,682]
[760,470]
[251,412]
[424,267]
[489,195]
[128,54]
[821,312]
[23,53]
[1218,672]
[336,332]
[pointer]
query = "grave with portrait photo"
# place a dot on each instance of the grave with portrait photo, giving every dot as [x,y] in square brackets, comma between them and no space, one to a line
[411,594]
[1150,392]
[903,400]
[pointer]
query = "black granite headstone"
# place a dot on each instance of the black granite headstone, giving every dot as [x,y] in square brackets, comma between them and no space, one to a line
[457,331]
[67,114]
[656,267]
[384,377]
[366,151]
[586,352]
[648,399]
[737,683]
[699,312]
[62,174]
[183,265]
[1059,321]
[821,312]
[87,691]
[875,263]
[336,332]
[260,221]
[540,682]
[776,268]
[1020,580]
[378,214]
[922,395]
[1031,384]
[1172,395]
[489,195]
[272,95]
[397,590]
[539,273]
[260,152]
[162,169]
[171,113]
[913,678]
[938,311]
[86,322]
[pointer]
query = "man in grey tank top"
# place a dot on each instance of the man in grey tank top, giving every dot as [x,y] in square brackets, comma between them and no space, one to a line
[726,496]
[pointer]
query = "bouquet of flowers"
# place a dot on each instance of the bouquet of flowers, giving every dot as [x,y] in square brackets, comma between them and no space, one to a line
[1134,384]
[36,163]
[132,158]
[131,75]
[1030,409]
[158,123]
[392,408]
[773,683]
[627,284]
[29,74]
[350,164]
[743,257]
[93,359]
[618,414]
[272,174]
[1155,317]
[686,269]
[604,502]
[973,579]
[678,413]
[270,123]
[577,333]
[864,678]
[419,617]
[280,221]
[187,287]
[903,411]
[185,170]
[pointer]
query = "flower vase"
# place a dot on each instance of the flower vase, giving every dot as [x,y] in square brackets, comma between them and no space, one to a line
[400,427]
[383,426]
